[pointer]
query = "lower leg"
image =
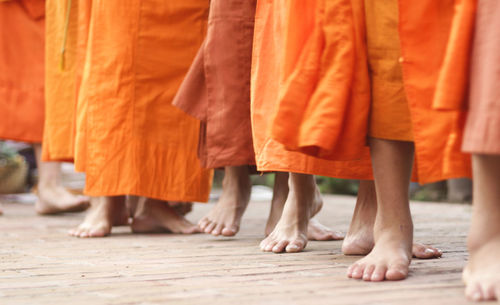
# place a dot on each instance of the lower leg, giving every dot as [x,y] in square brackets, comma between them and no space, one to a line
[315,230]
[393,228]
[52,196]
[104,213]
[304,201]
[359,239]
[225,216]
[482,274]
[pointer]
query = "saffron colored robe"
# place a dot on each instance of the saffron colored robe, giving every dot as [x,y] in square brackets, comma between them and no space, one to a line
[269,65]
[216,90]
[336,123]
[129,138]
[22,70]
[60,79]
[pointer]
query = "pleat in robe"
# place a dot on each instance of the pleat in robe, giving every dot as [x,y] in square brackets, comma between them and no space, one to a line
[271,39]
[22,70]
[129,137]
[424,29]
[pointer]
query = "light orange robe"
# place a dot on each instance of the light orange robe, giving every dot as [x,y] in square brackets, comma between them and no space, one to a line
[474,49]
[424,30]
[60,79]
[129,138]
[22,70]
[272,36]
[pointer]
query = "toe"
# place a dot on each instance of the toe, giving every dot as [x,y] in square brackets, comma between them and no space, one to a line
[358,272]
[231,231]
[270,245]
[425,252]
[203,223]
[473,292]
[217,230]
[367,275]
[488,292]
[280,246]
[295,246]
[397,272]
[378,274]
[209,228]
[351,269]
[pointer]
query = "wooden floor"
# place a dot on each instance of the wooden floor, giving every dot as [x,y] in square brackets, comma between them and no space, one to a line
[40,264]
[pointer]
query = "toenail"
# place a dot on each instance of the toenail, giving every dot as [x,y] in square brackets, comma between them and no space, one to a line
[476,296]
[429,251]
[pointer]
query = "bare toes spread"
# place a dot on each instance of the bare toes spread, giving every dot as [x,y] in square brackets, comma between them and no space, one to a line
[225,217]
[389,260]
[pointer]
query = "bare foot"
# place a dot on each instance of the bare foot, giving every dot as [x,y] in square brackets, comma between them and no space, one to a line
[315,230]
[290,233]
[359,238]
[390,257]
[320,232]
[182,208]
[104,213]
[54,199]
[156,216]
[482,274]
[225,217]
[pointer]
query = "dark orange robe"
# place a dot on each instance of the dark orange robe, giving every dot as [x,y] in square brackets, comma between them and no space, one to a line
[22,70]
[482,131]
[332,125]
[129,138]
[216,90]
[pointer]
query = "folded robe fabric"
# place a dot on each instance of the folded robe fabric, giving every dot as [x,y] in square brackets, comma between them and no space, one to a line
[22,70]
[271,35]
[60,79]
[129,138]
[216,90]
[424,29]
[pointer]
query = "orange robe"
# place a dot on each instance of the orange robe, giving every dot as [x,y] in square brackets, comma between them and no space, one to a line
[129,138]
[216,90]
[60,79]
[272,36]
[22,70]
[482,131]
[474,54]
[424,29]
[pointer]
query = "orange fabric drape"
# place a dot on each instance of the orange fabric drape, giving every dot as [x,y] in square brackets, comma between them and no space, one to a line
[22,70]
[60,79]
[268,63]
[453,81]
[424,29]
[216,90]
[129,138]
